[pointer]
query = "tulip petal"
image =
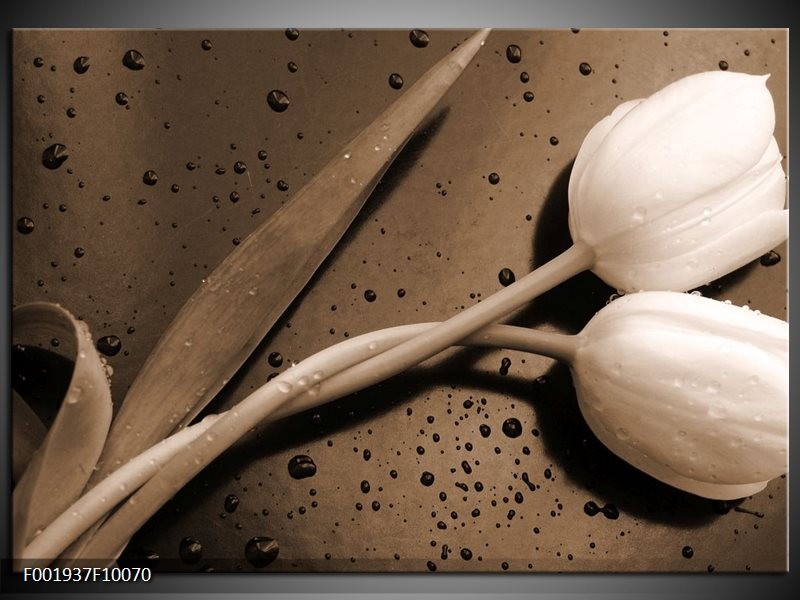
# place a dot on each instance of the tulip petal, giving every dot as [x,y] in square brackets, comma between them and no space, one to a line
[708,261]
[688,389]
[686,140]
[595,137]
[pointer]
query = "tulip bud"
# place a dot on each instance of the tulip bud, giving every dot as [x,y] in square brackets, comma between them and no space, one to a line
[692,391]
[682,187]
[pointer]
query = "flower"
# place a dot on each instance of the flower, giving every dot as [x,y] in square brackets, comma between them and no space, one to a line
[680,188]
[692,391]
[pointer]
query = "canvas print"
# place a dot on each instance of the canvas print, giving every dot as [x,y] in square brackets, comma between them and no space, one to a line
[400,300]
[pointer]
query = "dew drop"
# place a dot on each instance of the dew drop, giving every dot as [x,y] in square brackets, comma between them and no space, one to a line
[513,53]
[395,81]
[190,550]
[206,45]
[110,345]
[494,178]
[292,33]
[81,65]
[150,177]
[585,68]
[25,225]
[54,156]
[261,551]
[278,100]
[419,38]
[231,503]
[370,295]
[506,277]
[302,466]
[134,60]
[121,98]
[275,359]
[512,427]
[427,478]
[770,259]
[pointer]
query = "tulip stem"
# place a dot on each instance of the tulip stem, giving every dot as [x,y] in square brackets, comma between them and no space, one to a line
[187,451]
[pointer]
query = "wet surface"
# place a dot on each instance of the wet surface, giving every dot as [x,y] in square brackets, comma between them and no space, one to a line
[165,124]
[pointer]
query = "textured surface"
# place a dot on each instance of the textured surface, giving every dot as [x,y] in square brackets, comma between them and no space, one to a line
[435,227]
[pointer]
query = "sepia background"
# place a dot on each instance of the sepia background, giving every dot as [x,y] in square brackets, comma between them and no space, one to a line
[125,255]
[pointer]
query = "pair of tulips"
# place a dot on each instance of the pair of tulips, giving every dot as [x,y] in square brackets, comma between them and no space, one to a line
[666,193]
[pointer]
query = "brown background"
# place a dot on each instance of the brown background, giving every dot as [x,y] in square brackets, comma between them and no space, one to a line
[142,261]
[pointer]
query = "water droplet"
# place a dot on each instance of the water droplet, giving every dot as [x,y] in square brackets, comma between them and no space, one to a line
[275,359]
[528,96]
[401,293]
[25,225]
[610,512]
[121,98]
[373,346]
[512,427]
[513,53]
[110,345]
[292,66]
[553,141]
[292,33]
[485,430]
[239,167]
[278,100]
[38,62]
[591,508]
[770,258]
[206,45]
[639,213]
[622,434]
[231,502]
[524,77]
[301,467]
[261,551]
[81,65]
[494,178]
[395,81]
[134,60]
[190,550]
[71,112]
[505,365]
[370,295]
[723,65]
[506,277]
[54,156]
[466,554]
[419,38]
[282,185]
[687,552]
[150,177]
[284,386]
[585,68]
[427,478]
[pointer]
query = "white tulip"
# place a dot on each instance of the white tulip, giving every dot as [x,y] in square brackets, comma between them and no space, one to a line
[692,391]
[683,187]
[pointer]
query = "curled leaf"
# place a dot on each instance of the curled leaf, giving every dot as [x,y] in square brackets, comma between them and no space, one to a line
[59,469]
